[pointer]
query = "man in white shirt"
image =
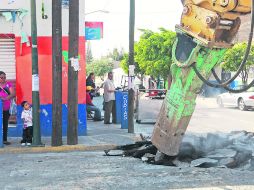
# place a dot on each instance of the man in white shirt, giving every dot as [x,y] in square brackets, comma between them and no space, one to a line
[109,99]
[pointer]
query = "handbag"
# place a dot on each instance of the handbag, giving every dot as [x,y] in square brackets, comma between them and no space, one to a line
[13,106]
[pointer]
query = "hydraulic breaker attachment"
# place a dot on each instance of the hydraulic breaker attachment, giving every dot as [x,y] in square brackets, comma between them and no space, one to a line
[207,27]
[214,22]
[179,103]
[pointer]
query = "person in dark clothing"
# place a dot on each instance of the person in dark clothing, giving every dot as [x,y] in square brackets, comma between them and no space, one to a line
[90,82]
[91,107]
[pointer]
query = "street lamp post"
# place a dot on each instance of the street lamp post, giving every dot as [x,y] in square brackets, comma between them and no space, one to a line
[102,11]
[131,64]
[35,79]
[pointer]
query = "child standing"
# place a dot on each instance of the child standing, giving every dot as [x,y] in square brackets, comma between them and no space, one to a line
[27,118]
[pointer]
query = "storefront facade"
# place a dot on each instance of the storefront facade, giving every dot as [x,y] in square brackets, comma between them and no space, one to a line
[16,59]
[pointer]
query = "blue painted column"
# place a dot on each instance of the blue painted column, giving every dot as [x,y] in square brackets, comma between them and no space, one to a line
[124,111]
[1,124]
[118,96]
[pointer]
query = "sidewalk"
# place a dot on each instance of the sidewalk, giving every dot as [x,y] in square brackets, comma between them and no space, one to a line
[207,118]
[99,137]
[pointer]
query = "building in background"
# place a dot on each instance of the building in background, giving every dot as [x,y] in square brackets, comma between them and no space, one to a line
[244,30]
[15,58]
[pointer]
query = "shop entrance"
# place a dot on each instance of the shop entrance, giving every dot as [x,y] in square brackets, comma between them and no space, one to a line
[8,64]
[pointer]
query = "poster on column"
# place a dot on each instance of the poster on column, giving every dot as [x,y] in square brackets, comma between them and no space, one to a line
[35,82]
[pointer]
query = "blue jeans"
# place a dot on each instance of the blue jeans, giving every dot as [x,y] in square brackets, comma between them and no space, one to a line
[97,111]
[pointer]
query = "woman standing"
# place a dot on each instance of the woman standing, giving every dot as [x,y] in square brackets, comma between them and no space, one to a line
[7,92]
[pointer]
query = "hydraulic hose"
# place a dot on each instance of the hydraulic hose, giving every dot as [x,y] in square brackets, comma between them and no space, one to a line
[217,78]
[243,63]
[229,89]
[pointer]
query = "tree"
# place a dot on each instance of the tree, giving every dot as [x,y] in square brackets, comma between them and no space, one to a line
[233,58]
[100,67]
[154,52]
[124,65]
[89,55]
[116,55]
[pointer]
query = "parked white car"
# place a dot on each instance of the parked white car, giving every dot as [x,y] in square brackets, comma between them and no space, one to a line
[243,101]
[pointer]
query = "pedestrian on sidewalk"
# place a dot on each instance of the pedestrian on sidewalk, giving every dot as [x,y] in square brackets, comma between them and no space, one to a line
[7,93]
[91,107]
[90,81]
[109,99]
[27,118]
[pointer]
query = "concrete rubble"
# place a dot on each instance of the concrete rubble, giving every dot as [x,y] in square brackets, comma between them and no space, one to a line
[233,150]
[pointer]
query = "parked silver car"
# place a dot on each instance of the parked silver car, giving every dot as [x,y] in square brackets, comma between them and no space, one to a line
[243,101]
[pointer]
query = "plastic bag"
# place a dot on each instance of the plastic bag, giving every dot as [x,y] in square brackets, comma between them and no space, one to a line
[13,107]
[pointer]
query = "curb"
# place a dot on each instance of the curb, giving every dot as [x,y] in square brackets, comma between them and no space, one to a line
[48,149]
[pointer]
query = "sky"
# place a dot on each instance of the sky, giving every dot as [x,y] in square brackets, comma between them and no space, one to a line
[149,14]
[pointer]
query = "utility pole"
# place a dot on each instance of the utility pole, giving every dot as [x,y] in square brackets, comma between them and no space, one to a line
[56,139]
[72,130]
[131,64]
[35,79]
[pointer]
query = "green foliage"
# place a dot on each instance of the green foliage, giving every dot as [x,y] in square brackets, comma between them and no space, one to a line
[124,65]
[233,57]
[100,67]
[116,55]
[89,55]
[153,53]
[124,62]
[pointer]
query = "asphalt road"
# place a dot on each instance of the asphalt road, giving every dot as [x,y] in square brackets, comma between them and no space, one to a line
[207,117]
[93,170]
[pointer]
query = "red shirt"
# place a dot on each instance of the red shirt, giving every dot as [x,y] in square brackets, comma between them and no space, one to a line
[88,99]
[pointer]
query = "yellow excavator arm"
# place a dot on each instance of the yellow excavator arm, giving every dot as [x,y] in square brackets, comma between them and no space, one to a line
[206,29]
[214,22]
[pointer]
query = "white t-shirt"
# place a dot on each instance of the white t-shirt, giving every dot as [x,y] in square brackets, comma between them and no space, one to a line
[27,117]
[109,85]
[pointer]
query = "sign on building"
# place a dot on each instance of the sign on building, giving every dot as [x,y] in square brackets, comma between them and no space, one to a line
[93,30]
